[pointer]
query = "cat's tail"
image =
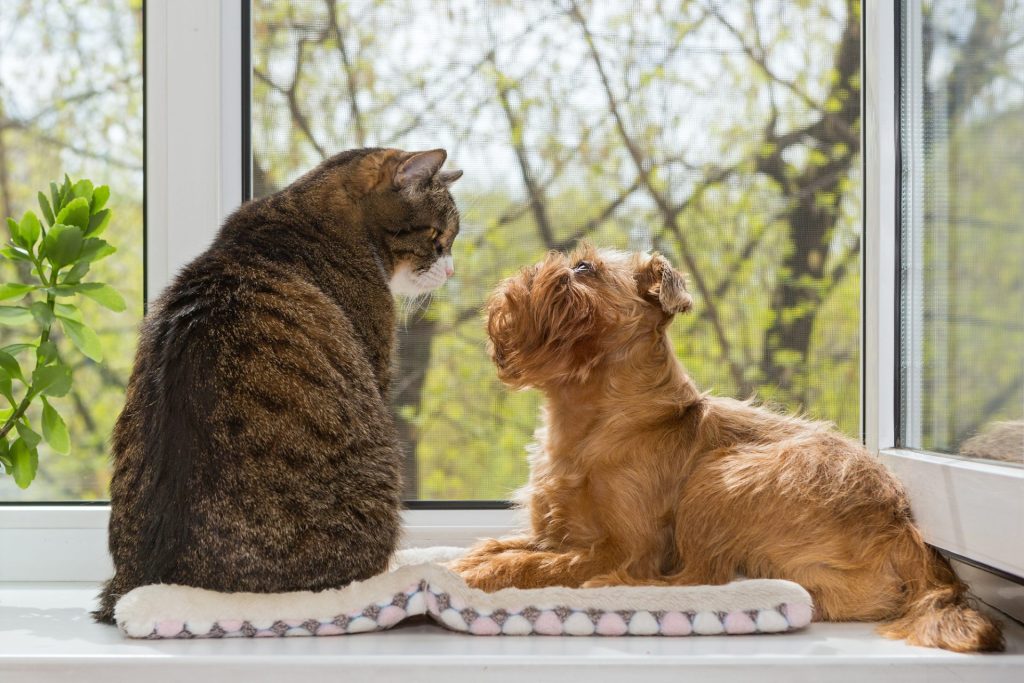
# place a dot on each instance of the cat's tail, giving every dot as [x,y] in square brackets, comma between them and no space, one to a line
[107,598]
[936,609]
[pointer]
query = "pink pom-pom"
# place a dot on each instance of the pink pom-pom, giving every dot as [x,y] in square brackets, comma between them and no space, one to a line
[738,623]
[548,624]
[170,628]
[390,615]
[484,626]
[675,624]
[797,614]
[611,624]
[230,625]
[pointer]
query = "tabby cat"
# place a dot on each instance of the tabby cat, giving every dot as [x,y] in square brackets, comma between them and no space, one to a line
[256,450]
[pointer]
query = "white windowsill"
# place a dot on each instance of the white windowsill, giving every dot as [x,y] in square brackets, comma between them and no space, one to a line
[969,507]
[48,635]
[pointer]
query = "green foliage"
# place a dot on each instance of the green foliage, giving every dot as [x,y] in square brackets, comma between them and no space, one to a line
[74,214]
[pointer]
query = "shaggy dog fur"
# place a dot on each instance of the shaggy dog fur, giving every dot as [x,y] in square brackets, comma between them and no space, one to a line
[640,478]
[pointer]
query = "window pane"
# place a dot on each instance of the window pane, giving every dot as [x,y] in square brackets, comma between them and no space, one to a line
[71,102]
[963,232]
[726,135]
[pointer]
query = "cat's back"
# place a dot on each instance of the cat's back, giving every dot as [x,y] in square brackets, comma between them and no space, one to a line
[249,335]
[252,398]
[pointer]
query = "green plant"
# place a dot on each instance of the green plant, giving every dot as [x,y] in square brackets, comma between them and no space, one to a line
[52,261]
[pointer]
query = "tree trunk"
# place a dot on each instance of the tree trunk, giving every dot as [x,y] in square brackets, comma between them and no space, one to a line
[813,194]
[412,357]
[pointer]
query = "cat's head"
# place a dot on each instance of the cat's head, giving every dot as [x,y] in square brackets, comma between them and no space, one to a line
[403,198]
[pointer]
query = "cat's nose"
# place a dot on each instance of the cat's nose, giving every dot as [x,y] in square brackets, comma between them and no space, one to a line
[449,270]
[449,266]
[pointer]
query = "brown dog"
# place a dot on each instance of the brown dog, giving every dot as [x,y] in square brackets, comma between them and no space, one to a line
[639,478]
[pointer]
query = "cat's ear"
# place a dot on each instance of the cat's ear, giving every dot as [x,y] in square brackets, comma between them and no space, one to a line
[449,177]
[419,167]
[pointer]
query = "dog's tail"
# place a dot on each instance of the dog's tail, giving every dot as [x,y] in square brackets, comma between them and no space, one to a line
[936,610]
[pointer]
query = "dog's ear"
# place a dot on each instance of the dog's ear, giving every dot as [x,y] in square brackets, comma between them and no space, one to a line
[663,285]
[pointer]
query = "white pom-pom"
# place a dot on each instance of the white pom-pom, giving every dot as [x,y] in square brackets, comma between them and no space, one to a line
[707,624]
[578,624]
[417,604]
[453,620]
[770,621]
[643,624]
[361,625]
[517,625]
[198,628]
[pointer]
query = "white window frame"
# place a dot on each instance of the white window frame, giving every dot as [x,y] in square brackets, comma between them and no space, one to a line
[971,508]
[193,181]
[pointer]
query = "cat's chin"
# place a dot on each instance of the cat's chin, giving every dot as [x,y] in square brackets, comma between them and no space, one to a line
[408,283]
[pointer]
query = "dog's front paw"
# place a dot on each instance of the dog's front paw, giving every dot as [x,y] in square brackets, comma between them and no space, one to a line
[621,577]
[484,573]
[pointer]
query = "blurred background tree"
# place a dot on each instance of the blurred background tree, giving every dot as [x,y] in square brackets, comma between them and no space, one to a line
[724,134]
[71,101]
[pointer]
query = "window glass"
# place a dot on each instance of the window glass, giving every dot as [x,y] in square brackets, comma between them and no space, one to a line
[725,135]
[71,102]
[962,120]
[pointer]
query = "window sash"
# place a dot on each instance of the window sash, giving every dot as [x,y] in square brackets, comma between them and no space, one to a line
[194,144]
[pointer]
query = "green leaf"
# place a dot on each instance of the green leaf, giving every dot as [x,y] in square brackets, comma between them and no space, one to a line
[51,380]
[54,430]
[55,196]
[16,254]
[98,223]
[63,244]
[104,295]
[29,435]
[26,461]
[69,311]
[99,198]
[65,192]
[5,456]
[76,213]
[14,290]
[30,229]
[83,189]
[46,353]
[95,249]
[44,206]
[6,388]
[14,315]
[84,338]
[17,348]
[77,272]
[10,365]
[42,313]
[15,230]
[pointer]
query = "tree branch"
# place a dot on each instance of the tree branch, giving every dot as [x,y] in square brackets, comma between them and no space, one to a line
[668,212]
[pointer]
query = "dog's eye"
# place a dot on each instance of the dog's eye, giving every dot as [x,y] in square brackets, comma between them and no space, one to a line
[583,267]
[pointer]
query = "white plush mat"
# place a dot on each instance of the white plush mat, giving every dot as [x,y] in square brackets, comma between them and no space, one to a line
[416,585]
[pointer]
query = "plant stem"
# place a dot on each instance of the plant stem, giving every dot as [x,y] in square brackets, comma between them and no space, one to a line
[16,415]
[51,301]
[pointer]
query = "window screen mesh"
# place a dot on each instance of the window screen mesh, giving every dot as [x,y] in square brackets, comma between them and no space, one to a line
[725,135]
[962,122]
